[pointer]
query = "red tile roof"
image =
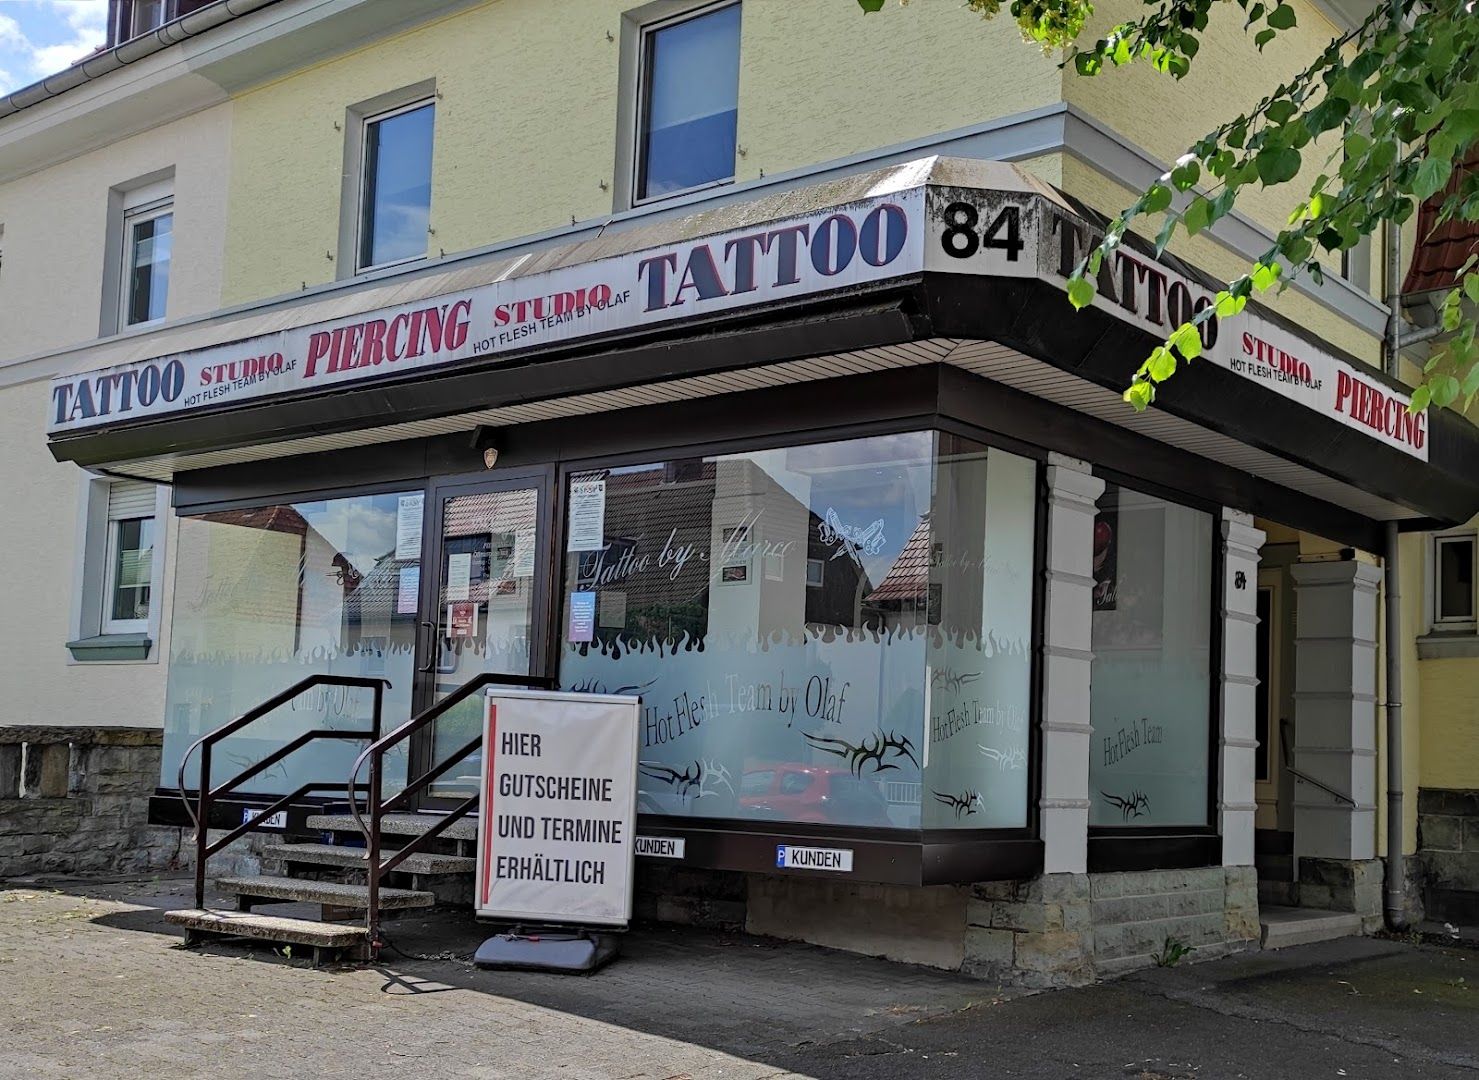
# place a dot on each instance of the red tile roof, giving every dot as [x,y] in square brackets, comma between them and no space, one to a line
[1442,249]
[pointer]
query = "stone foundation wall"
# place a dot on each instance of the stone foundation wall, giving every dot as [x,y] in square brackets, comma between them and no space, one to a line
[1054,930]
[1069,929]
[1447,861]
[1353,885]
[75,801]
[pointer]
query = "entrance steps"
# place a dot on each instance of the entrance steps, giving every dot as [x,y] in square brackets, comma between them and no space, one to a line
[331,874]
[327,940]
[1285,926]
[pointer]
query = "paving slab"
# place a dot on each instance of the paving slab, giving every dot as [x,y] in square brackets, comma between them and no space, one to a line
[97,985]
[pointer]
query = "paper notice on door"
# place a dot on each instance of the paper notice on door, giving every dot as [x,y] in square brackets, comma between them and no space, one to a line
[459,575]
[408,594]
[587,515]
[408,527]
[582,617]
[462,620]
[611,610]
[523,562]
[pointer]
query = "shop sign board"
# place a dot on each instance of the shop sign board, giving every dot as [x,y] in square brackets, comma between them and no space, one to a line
[870,240]
[893,233]
[1009,234]
[557,816]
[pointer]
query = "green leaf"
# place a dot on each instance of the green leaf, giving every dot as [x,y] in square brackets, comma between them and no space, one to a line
[1282,17]
[870,6]
[1161,365]
[1185,176]
[1229,305]
[1444,389]
[1265,275]
[1198,216]
[1277,165]
[1263,37]
[1157,199]
[1280,111]
[1088,63]
[1432,174]
[1139,395]
[1420,398]
[1298,251]
[1187,341]
[1080,292]
[1471,288]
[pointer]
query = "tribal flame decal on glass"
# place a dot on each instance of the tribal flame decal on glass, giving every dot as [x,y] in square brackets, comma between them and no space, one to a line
[1137,804]
[877,750]
[963,804]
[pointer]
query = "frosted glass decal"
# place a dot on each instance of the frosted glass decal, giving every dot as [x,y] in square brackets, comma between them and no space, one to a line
[1150,691]
[981,553]
[812,639]
[268,595]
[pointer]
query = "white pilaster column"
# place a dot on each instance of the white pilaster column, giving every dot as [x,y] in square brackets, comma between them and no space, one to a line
[1067,658]
[1335,708]
[1236,755]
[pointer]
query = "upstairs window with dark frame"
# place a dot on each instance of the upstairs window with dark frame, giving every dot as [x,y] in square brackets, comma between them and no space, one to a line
[128,582]
[1453,582]
[395,186]
[688,102]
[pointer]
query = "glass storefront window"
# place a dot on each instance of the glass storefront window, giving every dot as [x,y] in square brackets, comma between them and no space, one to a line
[1150,690]
[267,595]
[831,633]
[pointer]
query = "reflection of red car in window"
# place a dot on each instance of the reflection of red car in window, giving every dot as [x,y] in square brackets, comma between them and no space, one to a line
[792,792]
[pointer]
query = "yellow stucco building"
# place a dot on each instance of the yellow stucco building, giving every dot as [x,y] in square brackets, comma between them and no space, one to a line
[716,351]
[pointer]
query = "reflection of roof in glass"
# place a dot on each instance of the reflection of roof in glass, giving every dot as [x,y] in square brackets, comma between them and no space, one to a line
[909,577]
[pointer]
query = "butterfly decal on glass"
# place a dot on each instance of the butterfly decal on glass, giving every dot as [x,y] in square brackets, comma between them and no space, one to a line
[850,539]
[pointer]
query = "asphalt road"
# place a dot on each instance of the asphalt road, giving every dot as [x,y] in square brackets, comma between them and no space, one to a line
[94,984]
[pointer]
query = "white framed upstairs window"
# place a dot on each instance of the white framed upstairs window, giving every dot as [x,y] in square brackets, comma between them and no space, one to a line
[1452,582]
[687,102]
[394,213]
[129,568]
[119,570]
[147,241]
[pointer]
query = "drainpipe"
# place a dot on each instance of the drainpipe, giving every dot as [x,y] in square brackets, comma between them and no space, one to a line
[1394,896]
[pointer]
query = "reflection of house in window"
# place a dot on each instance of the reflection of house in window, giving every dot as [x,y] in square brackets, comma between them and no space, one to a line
[700,547]
[906,591]
[284,588]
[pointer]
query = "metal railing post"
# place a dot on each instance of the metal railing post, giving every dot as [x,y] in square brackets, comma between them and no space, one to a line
[372,871]
[202,824]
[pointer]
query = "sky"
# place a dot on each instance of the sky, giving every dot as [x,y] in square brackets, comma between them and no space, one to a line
[41,37]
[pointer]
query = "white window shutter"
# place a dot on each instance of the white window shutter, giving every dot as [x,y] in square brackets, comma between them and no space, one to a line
[130,499]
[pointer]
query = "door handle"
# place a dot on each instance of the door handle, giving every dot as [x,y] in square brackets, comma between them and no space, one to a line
[431,646]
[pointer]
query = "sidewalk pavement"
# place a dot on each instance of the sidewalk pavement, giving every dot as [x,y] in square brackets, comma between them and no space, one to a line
[96,985]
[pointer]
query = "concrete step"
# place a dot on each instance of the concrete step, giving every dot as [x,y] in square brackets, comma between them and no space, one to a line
[334,894]
[353,858]
[1285,926]
[397,825]
[321,937]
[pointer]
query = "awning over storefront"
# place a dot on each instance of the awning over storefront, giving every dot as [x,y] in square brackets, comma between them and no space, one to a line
[937,261]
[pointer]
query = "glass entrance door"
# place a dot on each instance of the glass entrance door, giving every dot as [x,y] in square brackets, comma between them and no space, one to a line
[482,611]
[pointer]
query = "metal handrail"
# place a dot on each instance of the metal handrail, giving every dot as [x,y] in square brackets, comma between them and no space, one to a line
[379,807]
[200,814]
[1340,795]
[1289,757]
